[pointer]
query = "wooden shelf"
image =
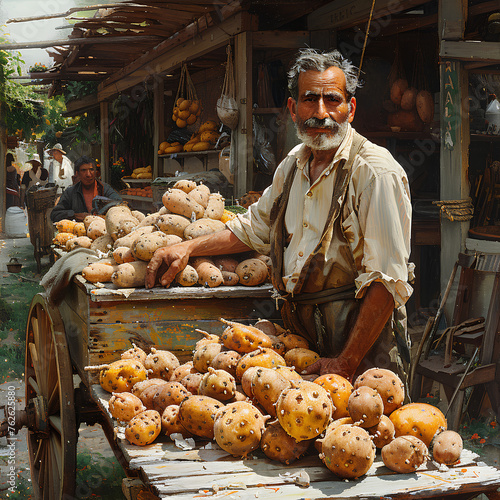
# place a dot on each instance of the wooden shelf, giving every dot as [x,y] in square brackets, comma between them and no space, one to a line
[137,181]
[484,137]
[184,154]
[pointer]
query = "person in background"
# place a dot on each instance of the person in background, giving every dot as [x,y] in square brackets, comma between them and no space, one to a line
[336,223]
[61,168]
[37,174]
[76,201]
[11,183]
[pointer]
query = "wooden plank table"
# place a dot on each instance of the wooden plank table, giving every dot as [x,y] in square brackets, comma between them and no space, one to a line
[209,472]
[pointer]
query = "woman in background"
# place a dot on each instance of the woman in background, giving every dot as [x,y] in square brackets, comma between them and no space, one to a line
[13,198]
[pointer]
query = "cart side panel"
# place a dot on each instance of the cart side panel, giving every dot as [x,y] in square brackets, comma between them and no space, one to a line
[74,311]
[166,324]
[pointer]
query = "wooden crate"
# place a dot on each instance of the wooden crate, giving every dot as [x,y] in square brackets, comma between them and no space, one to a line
[100,323]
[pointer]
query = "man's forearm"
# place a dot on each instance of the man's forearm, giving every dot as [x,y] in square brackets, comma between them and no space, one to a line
[223,242]
[376,309]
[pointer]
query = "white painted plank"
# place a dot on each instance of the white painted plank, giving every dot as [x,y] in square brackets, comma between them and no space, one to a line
[111,292]
[417,485]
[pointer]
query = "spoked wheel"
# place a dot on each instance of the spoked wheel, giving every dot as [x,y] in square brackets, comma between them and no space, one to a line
[52,431]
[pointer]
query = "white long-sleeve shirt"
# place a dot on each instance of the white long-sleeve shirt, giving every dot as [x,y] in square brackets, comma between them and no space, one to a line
[375,220]
[61,173]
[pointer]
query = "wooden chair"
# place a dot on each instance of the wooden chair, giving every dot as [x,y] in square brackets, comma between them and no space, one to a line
[469,338]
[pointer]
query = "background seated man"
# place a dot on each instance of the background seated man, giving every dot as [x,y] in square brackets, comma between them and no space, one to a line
[76,201]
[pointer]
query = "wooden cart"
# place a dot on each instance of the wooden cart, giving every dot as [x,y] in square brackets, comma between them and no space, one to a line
[93,325]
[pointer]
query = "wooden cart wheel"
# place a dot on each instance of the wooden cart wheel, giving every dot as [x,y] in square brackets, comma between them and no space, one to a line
[52,430]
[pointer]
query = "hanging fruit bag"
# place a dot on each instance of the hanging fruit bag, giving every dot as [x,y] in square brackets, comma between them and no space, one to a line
[227,107]
[187,107]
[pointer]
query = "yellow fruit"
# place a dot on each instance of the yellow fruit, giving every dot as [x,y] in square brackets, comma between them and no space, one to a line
[191,119]
[208,125]
[202,146]
[184,115]
[179,101]
[188,146]
[174,149]
[421,420]
[195,106]
[227,216]
[180,123]
[210,136]
[174,118]
[184,105]
[164,145]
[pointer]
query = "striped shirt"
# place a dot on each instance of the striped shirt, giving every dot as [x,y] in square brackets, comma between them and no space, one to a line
[375,220]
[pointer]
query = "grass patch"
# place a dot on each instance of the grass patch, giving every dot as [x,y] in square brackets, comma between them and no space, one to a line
[11,362]
[98,477]
[16,295]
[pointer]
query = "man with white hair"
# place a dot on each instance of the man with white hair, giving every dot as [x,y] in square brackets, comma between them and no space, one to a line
[61,168]
[336,223]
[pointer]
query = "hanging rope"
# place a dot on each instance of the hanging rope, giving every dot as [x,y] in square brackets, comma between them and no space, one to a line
[366,38]
[456,210]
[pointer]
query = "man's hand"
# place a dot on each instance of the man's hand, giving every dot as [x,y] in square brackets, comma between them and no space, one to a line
[168,261]
[336,365]
[79,217]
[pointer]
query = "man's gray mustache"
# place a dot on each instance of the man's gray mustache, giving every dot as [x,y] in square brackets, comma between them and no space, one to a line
[321,123]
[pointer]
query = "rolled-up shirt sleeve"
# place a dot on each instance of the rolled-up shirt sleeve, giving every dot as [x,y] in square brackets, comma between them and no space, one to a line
[385,222]
[253,227]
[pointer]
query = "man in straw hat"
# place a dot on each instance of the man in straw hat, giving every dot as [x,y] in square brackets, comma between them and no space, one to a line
[61,168]
[37,174]
[336,224]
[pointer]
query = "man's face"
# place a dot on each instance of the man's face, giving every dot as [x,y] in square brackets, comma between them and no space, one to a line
[86,174]
[323,109]
[57,155]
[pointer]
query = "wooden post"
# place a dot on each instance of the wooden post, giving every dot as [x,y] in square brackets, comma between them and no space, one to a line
[104,141]
[454,141]
[158,117]
[242,135]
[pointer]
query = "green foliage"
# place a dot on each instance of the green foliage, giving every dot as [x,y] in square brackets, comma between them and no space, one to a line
[76,90]
[22,107]
[5,312]
[37,68]
[98,476]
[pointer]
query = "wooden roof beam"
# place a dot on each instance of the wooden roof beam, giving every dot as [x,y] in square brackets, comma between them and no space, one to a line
[66,13]
[469,50]
[343,14]
[192,35]
[78,41]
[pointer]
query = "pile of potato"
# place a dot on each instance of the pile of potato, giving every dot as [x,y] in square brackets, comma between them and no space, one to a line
[128,239]
[243,389]
[414,108]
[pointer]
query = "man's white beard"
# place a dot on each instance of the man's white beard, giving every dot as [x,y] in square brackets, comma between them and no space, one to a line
[324,141]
